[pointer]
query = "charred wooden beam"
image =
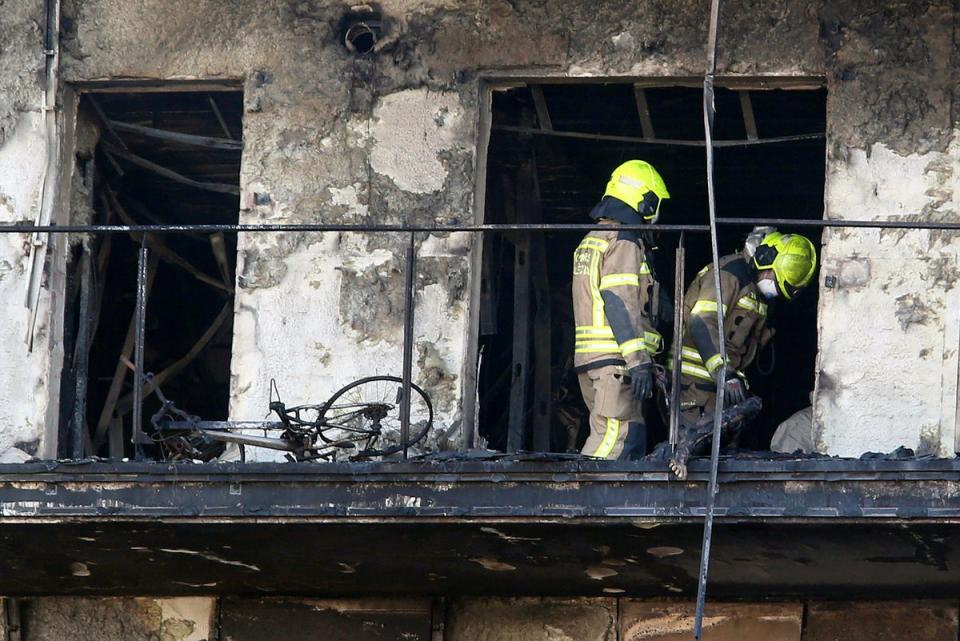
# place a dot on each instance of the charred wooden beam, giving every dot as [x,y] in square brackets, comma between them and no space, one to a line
[120,371]
[170,174]
[126,403]
[111,132]
[82,358]
[540,103]
[220,118]
[749,122]
[643,110]
[165,253]
[520,366]
[192,140]
[218,245]
[540,373]
[656,141]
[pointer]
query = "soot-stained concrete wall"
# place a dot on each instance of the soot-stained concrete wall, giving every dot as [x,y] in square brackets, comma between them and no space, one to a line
[889,327]
[118,619]
[29,378]
[393,137]
[474,619]
[517,619]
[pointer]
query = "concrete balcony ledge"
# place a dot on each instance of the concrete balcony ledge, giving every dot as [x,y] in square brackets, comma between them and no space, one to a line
[468,489]
[824,528]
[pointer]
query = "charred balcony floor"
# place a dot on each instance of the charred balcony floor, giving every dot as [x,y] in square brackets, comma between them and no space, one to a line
[829,527]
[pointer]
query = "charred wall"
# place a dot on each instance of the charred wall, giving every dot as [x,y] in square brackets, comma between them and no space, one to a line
[888,324]
[389,138]
[30,376]
[392,137]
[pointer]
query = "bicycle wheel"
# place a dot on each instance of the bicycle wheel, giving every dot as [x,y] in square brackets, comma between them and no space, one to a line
[367,412]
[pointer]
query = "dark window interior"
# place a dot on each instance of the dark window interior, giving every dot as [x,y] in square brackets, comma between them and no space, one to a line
[776,180]
[190,302]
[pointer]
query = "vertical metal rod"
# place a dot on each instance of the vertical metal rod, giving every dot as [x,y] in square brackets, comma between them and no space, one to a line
[678,294]
[80,364]
[139,337]
[708,112]
[408,305]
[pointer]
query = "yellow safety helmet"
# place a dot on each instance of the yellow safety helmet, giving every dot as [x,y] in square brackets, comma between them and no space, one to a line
[792,258]
[638,184]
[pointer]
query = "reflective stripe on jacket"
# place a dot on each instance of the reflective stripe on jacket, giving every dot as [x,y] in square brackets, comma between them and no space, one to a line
[611,264]
[744,319]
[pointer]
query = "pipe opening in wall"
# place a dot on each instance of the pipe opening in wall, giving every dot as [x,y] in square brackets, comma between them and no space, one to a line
[361,35]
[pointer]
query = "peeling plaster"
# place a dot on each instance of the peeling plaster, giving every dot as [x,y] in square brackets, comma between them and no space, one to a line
[410,131]
[25,380]
[121,619]
[891,289]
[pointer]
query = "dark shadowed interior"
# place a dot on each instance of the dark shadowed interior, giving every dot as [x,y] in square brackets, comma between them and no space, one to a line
[770,180]
[140,178]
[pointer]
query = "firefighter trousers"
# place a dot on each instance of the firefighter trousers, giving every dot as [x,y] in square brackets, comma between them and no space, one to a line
[617,426]
[697,399]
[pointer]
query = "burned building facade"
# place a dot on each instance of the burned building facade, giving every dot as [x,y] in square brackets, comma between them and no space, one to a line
[435,115]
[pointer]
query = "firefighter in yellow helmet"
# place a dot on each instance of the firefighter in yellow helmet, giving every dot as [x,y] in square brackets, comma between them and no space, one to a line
[613,286]
[772,265]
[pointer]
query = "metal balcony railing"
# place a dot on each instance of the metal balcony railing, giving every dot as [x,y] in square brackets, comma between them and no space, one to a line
[412,232]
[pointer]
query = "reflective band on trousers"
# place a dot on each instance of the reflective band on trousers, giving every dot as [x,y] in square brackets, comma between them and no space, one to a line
[609,438]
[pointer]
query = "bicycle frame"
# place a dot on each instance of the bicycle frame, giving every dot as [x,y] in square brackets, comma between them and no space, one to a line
[301,428]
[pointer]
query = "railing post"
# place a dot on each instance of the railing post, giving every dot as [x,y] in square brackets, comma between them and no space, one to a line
[139,338]
[408,305]
[678,293]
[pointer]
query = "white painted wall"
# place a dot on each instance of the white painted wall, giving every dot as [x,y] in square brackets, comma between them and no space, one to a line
[890,328]
[28,380]
[293,330]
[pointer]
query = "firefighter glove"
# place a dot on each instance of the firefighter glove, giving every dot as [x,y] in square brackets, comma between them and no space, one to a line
[735,392]
[641,377]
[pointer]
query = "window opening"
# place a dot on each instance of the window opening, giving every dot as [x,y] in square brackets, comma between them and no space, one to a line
[557,176]
[157,157]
